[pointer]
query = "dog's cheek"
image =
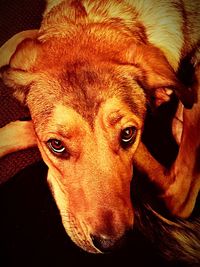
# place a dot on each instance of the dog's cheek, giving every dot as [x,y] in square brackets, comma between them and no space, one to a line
[69,219]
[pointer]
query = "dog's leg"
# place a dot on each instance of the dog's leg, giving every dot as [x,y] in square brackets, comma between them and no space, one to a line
[156,172]
[181,195]
[180,185]
[16,136]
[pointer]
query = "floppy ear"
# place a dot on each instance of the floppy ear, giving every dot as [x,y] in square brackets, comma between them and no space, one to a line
[157,76]
[17,56]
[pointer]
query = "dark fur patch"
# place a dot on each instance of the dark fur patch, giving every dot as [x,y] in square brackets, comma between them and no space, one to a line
[86,87]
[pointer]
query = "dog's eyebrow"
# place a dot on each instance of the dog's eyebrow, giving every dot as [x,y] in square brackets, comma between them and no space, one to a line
[61,131]
[114,117]
[66,131]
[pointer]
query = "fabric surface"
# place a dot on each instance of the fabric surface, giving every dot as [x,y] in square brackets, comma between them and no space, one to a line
[16,16]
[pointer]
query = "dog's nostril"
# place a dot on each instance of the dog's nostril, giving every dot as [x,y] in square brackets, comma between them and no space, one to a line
[102,243]
[106,244]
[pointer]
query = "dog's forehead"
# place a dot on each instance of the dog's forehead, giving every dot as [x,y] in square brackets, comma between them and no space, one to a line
[85,87]
[66,120]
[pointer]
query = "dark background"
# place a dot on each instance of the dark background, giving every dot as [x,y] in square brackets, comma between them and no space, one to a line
[31,232]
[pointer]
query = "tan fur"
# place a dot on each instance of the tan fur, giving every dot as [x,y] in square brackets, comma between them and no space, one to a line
[16,136]
[90,73]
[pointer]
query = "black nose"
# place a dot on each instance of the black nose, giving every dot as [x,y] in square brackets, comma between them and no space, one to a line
[107,244]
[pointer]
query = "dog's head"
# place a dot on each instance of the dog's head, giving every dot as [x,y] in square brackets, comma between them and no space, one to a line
[88,103]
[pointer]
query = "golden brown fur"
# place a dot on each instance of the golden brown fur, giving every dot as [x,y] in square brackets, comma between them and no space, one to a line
[86,75]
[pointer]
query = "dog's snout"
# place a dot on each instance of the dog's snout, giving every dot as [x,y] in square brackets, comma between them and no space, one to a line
[107,244]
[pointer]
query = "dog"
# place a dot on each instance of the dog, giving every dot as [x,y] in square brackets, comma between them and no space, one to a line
[88,76]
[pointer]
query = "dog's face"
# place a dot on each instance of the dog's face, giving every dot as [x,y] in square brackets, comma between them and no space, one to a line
[88,122]
[88,109]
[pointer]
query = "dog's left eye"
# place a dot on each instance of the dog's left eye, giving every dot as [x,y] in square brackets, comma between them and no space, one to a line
[128,136]
[56,146]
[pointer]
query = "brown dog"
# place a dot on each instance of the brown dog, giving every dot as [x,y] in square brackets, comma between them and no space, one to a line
[87,76]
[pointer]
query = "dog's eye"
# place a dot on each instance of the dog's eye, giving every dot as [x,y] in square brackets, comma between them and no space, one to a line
[56,146]
[128,136]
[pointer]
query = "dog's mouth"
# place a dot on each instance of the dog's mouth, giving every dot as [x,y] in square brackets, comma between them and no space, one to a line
[76,231]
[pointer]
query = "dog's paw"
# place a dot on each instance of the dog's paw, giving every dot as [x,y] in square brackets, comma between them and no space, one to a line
[16,136]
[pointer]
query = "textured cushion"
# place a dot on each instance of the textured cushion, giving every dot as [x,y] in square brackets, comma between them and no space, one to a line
[16,16]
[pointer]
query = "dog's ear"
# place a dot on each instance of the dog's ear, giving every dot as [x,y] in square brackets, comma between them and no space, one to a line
[157,76]
[17,57]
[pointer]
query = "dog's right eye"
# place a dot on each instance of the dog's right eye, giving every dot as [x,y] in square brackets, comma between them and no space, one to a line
[56,146]
[128,136]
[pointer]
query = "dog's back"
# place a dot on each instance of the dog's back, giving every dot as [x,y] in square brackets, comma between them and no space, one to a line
[172,26]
